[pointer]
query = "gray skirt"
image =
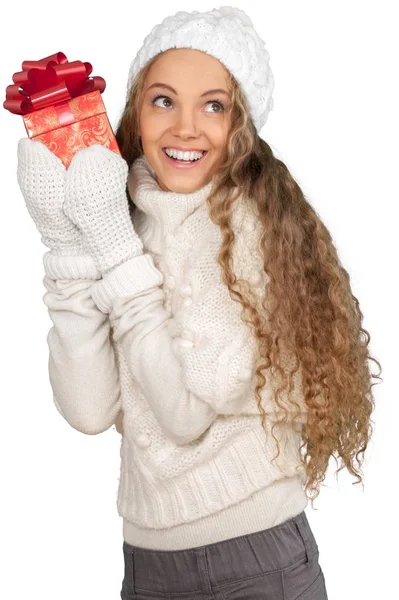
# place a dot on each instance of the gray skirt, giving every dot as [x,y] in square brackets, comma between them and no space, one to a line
[278,563]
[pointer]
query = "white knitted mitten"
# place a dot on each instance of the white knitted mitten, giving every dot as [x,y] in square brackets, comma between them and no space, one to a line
[41,176]
[96,201]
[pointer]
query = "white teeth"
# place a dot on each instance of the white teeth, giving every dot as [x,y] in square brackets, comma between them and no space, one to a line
[189,156]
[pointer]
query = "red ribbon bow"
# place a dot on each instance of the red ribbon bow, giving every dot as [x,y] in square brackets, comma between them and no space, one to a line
[49,81]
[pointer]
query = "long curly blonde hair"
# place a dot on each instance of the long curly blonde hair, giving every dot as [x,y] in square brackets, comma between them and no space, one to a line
[309,308]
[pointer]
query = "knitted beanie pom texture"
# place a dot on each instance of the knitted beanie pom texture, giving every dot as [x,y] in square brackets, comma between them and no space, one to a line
[228,34]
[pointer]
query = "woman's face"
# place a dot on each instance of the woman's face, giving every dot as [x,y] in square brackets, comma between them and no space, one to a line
[189,114]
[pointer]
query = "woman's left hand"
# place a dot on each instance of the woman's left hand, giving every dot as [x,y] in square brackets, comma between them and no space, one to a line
[96,202]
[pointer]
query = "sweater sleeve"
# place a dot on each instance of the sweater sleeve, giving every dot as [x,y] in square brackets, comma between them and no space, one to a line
[83,369]
[132,296]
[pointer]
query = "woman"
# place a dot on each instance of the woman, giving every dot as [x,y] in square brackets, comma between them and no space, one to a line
[198,302]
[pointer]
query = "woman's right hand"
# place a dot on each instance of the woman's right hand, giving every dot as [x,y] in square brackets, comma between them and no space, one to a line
[41,176]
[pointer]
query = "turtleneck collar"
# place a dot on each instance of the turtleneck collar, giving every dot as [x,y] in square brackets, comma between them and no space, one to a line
[169,209]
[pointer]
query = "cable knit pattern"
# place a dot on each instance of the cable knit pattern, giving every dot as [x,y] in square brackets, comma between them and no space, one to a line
[228,34]
[173,367]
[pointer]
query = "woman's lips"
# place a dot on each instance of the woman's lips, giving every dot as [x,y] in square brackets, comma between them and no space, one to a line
[184,164]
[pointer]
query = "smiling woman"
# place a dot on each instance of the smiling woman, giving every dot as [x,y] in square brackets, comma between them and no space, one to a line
[207,314]
[192,120]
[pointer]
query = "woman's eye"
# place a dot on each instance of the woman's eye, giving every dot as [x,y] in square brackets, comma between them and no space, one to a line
[160,98]
[217,103]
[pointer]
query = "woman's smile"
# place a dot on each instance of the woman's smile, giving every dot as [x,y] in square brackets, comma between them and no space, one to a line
[183,164]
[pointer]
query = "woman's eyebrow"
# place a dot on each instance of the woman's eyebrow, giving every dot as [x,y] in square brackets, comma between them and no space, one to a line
[169,87]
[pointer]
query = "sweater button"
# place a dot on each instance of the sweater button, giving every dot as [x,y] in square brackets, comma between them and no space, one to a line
[245,375]
[143,440]
[186,289]
[169,238]
[187,301]
[187,334]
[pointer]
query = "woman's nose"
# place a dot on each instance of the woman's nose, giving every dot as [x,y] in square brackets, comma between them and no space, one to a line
[186,122]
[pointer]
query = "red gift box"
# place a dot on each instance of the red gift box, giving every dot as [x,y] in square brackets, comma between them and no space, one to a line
[61,105]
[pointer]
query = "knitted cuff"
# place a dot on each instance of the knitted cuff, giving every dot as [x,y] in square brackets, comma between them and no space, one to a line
[81,266]
[133,276]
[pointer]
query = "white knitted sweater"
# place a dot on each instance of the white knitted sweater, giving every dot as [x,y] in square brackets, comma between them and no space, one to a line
[172,366]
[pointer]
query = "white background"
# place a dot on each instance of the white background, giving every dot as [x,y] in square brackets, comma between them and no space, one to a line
[335,125]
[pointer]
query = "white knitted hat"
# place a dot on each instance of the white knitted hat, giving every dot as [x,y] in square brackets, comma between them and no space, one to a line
[226,33]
